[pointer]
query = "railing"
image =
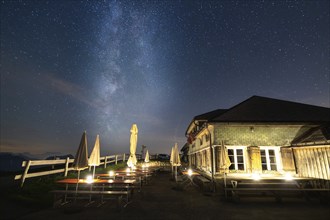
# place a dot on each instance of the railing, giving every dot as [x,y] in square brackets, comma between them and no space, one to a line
[67,165]
[28,164]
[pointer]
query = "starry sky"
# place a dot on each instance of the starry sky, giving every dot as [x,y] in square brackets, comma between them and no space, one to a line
[100,66]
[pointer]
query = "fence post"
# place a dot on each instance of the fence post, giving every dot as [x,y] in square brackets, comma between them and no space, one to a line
[123,157]
[25,172]
[116,159]
[66,166]
[105,162]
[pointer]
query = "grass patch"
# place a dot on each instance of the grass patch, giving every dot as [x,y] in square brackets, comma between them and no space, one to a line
[34,194]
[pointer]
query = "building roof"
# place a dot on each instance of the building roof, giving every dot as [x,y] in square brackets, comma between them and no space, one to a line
[267,110]
[209,115]
[262,109]
[206,116]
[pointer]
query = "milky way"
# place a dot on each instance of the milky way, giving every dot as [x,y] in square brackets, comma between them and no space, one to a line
[100,66]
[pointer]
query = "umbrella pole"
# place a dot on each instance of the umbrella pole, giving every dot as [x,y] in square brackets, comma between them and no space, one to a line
[75,198]
[225,183]
[176,173]
[94,172]
[91,188]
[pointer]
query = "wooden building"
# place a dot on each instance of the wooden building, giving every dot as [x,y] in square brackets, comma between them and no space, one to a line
[262,135]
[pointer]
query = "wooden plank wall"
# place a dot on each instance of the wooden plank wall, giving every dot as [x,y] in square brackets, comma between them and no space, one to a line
[313,161]
[287,159]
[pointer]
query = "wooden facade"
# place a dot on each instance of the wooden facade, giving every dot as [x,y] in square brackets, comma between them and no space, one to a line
[313,161]
[288,160]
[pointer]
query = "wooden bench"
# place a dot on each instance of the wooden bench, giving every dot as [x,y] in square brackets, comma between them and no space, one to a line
[275,188]
[137,185]
[118,195]
[202,179]
[202,182]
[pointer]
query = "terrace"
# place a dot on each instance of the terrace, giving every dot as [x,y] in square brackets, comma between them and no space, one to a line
[161,198]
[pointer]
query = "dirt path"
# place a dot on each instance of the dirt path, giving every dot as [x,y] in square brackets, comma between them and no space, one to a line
[159,201]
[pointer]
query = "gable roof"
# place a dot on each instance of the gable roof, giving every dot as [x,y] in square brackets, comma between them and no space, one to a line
[262,109]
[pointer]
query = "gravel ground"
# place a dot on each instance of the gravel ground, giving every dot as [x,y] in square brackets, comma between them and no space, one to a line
[159,200]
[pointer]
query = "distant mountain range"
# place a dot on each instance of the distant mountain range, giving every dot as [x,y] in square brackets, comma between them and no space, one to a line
[12,162]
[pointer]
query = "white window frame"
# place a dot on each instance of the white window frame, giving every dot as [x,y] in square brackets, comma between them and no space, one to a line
[277,157]
[235,148]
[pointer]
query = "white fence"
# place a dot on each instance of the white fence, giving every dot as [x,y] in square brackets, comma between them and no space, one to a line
[67,166]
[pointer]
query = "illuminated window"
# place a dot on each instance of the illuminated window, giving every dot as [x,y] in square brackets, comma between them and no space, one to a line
[268,159]
[236,157]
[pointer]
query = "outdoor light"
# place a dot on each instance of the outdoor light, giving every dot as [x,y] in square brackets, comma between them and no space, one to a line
[89,179]
[256,176]
[288,177]
[128,170]
[190,172]
[110,181]
[111,173]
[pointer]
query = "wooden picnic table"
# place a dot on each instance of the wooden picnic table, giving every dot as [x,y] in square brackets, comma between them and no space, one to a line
[134,171]
[96,183]
[97,187]
[123,176]
[144,173]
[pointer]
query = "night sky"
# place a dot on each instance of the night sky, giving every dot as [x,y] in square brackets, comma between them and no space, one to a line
[100,66]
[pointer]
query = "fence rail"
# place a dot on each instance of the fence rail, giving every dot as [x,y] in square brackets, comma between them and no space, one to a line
[67,166]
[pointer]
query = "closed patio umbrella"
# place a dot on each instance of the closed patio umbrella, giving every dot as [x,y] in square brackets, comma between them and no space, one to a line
[81,159]
[172,155]
[171,158]
[224,163]
[176,159]
[133,142]
[146,159]
[94,158]
[224,158]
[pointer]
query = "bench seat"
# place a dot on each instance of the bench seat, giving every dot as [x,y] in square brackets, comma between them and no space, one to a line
[106,194]
[278,189]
